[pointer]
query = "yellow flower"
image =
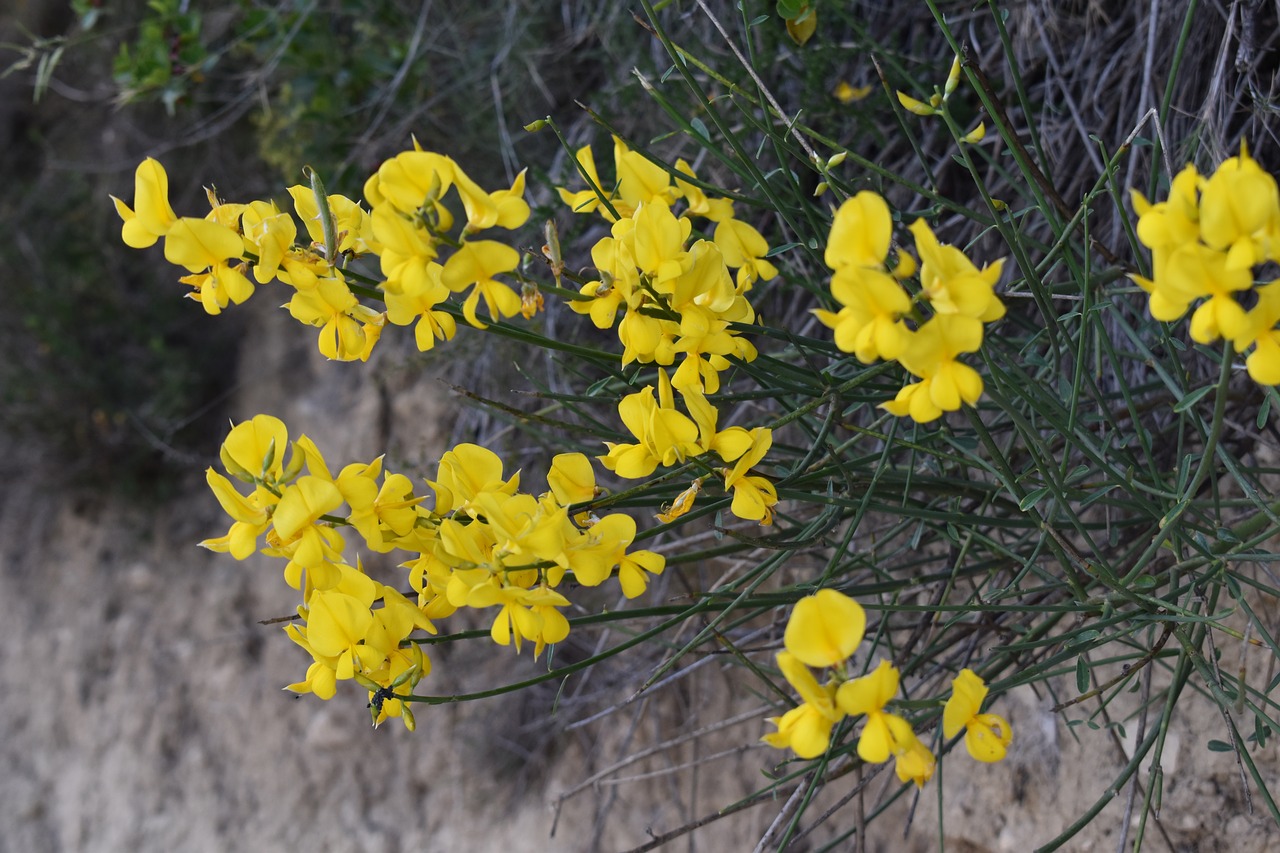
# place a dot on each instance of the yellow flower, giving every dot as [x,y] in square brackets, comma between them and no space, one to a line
[249,514]
[1240,211]
[270,235]
[1205,272]
[571,479]
[255,448]
[915,763]
[805,729]
[634,569]
[525,614]
[336,625]
[753,496]
[932,355]
[414,181]
[301,506]
[586,201]
[1171,224]
[205,248]
[354,227]
[952,283]
[476,263]
[825,628]
[640,180]
[418,301]
[1264,362]
[846,93]
[503,208]
[860,233]
[465,472]
[151,216]
[883,734]
[953,78]
[744,248]
[665,435]
[870,323]
[334,309]
[987,736]
[715,209]
[805,23]
[659,242]
[976,135]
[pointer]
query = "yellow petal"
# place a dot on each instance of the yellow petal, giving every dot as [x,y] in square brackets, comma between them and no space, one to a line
[825,628]
[967,693]
[988,738]
[871,692]
[198,244]
[572,479]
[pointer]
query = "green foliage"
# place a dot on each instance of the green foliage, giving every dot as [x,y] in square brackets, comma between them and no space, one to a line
[166,59]
[101,362]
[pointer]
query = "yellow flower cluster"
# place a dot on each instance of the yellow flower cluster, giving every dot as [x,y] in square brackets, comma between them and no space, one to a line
[666,436]
[881,319]
[677,297]
[407,227]
[216,251]
[484,544]
[1206,239]
[412,224]
[823,632]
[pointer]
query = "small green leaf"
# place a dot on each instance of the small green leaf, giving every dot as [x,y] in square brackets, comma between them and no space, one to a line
[1177,510]
[1082,675]
[1191,399]
[1098,495]
[1219,746]
[1032,498]
[778,250]
[700,128]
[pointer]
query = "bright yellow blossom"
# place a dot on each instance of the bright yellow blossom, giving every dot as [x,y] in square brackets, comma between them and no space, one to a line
[825,628]
[884,734]
[151,216]
[476,263]
[805,729]
[987,736]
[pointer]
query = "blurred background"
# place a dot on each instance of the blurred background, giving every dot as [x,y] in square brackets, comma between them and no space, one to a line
[142,707]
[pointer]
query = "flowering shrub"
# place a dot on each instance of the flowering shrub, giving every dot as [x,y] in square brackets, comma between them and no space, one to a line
[934,457]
